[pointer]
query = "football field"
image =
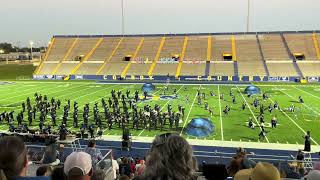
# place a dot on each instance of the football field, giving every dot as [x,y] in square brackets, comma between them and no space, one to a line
[291,127]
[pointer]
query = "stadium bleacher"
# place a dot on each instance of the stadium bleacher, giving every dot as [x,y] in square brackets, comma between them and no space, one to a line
[220,68]
[310,68]
[302,43]
[281,68]
[253,54]
[272,47]
[146,55]
[220,45]
[249,59]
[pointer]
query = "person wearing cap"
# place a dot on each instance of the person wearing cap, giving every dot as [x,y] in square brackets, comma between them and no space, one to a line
[262,171]
[78,166]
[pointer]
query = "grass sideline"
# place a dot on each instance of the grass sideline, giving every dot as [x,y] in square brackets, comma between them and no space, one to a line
[16,71]
[232,127]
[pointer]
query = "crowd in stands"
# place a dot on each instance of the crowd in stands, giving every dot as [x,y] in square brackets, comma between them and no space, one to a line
[170,157]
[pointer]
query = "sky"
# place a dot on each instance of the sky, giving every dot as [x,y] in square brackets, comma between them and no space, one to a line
[23,21]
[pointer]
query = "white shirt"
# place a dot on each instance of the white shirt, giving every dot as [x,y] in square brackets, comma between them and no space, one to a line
[115,167]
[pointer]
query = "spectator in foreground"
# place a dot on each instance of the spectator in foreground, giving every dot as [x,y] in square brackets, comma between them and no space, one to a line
[78,166]
[132,165]
[140,167]
[124,167]
[288,171]
[300,159]
[240,161]
[58,174]
[14,160]
[42,171]
[246,163]
[316,165]
[50,155]
[94,152]
[98,175]
[313,175]
[170,157]
[124,177]
[262,171]
[115,167]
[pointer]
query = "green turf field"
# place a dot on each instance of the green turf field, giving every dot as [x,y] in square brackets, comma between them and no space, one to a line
[16,71]
[291,126]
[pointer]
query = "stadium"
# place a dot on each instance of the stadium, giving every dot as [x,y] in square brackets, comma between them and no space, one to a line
[252,96]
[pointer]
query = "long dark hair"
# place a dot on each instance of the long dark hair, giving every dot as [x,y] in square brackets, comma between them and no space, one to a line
[91,143]
[170,157]
[13,157]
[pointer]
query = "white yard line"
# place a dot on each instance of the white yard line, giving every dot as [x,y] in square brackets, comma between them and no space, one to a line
[307,92]
[170,99]
[221,125]
[251,111]
[301,103]
[5,88]
[141,132]
[294,122]
[105,95]
[63,95]
[284,85]
[185,121]
[29,90]
[89,94]
[160,88]
[48,94]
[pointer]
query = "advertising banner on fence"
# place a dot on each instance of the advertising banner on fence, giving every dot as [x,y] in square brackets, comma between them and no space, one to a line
[180,78]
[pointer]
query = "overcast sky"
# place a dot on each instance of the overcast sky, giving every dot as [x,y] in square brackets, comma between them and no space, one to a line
[38,20]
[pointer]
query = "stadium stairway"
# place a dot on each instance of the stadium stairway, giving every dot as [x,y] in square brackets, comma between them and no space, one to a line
[154,63]
[125,70]
[299,72]
[183,52]
[302,43]
[110,57]
[234,50]
[235,68]
[272,47]
[234,55]
[316,44]
[286,46]
[296,67]
[38,69]
[74,70]
[207,71]
[262,56]
[209,49]
[65,56]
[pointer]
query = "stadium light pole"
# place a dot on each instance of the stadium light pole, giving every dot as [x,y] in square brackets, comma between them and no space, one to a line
[122,18]
[248,15]
[31,44]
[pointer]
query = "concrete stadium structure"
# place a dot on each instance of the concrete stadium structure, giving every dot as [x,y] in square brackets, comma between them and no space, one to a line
[272,54]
